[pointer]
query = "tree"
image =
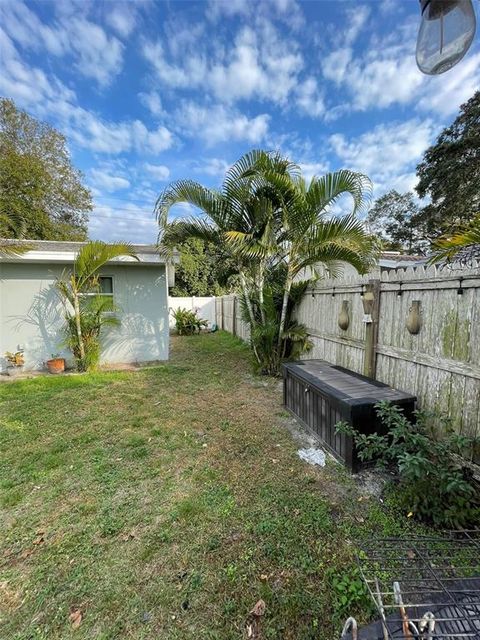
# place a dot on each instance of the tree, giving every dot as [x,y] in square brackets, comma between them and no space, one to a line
[395,219]
[274,226]
[86,310]
[450,172]
[304,234]
[204,269]
[41,194]
[463,247]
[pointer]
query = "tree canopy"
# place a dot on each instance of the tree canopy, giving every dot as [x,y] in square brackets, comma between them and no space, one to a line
[450,172]
[204,269]
[395,218]
[41,193]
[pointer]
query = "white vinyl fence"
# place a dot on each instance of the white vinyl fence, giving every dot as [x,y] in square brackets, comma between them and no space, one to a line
[205,307]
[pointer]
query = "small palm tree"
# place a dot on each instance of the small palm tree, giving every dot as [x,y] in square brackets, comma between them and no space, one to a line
[84,325]
[463,247]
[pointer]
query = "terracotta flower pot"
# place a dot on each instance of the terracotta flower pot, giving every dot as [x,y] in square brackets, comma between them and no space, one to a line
[56,365]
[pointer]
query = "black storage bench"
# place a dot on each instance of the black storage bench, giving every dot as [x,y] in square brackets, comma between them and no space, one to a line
[320,394]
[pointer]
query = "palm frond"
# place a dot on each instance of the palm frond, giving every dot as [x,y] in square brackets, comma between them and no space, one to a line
[178,231]
[94,255]
[191,192]
[11,248]
[463,247]
[326,190]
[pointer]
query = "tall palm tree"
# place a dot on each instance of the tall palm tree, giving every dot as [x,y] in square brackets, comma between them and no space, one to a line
[266,216]
[463,247]
[84,279]
[306,235]
[242,204]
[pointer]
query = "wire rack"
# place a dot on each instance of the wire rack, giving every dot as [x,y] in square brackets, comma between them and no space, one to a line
[423,587]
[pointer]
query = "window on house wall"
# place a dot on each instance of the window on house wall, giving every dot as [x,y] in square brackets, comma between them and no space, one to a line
[106,285]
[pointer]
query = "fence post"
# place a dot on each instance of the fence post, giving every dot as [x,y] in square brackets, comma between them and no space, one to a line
[223,321]
[234,312]
[371,330]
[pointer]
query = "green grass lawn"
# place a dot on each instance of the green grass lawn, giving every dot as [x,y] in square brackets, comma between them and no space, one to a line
[164,502]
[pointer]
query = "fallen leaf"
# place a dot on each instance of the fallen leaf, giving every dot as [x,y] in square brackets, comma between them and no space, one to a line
[410,554]
[39,540]
[259,608]
[263,577]
[75,618]
[409,514]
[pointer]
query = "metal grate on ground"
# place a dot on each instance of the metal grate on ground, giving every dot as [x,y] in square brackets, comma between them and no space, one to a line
[424,587]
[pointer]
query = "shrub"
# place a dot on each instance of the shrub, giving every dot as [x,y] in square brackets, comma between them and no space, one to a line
[435,483]
[187,322]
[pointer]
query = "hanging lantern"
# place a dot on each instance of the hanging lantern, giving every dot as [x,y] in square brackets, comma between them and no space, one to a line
[445,35]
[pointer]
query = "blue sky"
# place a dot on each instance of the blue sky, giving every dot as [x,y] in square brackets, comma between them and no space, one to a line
[148,92]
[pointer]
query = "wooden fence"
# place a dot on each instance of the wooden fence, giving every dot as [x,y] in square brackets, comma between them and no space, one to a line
[440,363]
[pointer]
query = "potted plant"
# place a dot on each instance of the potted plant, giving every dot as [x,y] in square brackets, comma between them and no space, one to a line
[15,361]
[56,364]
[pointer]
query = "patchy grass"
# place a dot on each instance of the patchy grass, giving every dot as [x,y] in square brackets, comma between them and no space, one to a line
[164,502]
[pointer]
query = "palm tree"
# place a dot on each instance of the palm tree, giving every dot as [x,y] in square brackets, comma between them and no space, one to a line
[267,216]
[74,288]
[463,247]
[243,204]
[306,236]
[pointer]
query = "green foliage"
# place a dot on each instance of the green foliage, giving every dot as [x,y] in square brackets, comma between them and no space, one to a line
[41,193]
[86,311]
[348,591]
[435,483]
[450,172]
[187,322]
[269,222]
[463,247]
[395,218]
[203,270]
[264,334]
[96,313]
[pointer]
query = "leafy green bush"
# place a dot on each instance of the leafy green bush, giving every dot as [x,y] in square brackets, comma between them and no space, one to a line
[435,483]
[97,312]
[187,322]
[348,592]
[295,341]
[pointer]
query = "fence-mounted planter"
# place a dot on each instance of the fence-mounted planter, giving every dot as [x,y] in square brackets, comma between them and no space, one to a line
[320,394]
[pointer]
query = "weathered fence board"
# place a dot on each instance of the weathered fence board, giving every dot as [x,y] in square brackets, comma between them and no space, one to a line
[440,364]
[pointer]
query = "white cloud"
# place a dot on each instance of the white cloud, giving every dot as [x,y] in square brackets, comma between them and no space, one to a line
[388,154]
[310,99]
[216,167]
[260,64]
[107,181]
[357,18]
[122,17]
[284,10]
[124,221]
[386,75]
[220,124]
[444,94]
[311,169]
[46,96]
[158,171]
[96,54]
[152,101]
